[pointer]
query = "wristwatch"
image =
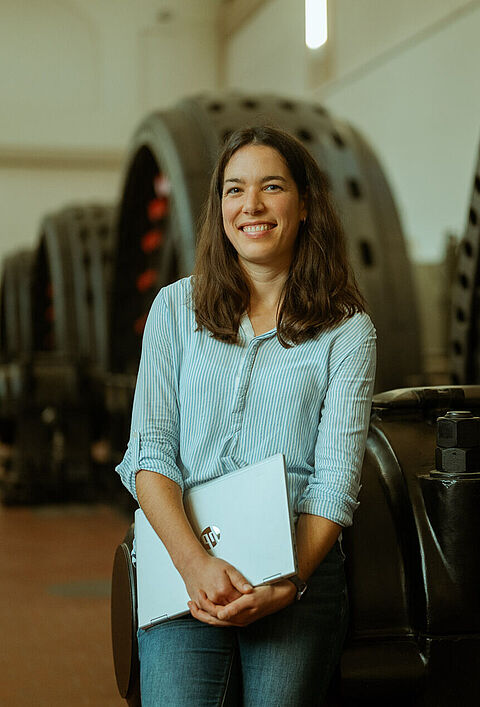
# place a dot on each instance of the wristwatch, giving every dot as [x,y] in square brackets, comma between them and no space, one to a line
[299,584]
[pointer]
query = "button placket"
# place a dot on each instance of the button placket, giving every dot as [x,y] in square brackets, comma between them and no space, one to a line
[243,383]
[239,399]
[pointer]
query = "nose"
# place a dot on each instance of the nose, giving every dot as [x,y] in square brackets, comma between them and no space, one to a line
[253,202]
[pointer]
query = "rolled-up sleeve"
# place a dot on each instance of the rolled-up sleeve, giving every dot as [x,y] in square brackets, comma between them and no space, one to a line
[154,434]
[333,488]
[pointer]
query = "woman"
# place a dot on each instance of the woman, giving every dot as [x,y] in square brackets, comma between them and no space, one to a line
[266,349]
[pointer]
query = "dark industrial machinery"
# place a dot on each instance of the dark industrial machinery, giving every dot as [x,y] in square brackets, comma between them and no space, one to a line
[124,622]
[71,281]
[15,347]
[166,181]
[15,302]
[16,335]
[412,562]
[58,415]
[465,315]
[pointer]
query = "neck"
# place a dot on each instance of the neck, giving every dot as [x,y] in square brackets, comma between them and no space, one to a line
[265,285]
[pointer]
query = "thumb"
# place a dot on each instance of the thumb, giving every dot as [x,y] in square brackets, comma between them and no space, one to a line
[238,580]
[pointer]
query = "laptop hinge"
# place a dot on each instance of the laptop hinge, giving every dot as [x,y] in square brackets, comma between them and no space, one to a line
[162,617]
[271,578]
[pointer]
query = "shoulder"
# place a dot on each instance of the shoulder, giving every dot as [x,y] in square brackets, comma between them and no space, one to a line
[170,308]
[173,300]
[357,328]
[176,295]
[352,334]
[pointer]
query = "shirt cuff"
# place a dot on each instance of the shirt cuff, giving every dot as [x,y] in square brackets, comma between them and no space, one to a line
[149,456]
[339,509]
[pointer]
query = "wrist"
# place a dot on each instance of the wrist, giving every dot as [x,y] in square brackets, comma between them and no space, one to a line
[288,588]
[299,584]
[189,557]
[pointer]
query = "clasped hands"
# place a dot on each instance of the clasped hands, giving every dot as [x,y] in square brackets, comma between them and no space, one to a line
[221,596]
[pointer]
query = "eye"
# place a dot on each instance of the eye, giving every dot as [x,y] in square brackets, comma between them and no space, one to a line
[232,190]
[273,187]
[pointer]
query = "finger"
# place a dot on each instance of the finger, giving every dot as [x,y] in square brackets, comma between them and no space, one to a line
[205,604]
[204,616]
[201,614]
[232,610]
[239,581]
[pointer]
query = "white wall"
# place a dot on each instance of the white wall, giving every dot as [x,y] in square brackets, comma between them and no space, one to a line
[79,73]
[28,193]
[76,78]
[267,53]
[362,30]
[419,105]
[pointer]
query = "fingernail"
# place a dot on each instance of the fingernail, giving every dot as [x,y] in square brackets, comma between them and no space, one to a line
[221,615]
[247,586]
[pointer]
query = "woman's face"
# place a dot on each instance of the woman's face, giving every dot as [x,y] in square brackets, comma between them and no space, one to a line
[261,207]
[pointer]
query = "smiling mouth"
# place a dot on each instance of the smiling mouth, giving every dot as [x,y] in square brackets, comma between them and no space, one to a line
[257,228]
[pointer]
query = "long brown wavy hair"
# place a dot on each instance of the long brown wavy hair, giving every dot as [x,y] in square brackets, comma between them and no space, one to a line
[320,290]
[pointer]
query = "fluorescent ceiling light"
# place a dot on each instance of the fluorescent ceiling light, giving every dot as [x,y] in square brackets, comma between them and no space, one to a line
[315,23]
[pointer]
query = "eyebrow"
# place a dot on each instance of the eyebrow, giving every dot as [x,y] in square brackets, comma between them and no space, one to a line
[269,178]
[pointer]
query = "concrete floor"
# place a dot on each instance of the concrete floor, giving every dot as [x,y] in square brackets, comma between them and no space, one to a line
[55,571]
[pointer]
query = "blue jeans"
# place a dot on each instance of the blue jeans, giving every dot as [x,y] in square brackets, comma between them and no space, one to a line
[286,659]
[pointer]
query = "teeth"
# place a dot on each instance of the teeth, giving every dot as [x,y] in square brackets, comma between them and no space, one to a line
[255,229]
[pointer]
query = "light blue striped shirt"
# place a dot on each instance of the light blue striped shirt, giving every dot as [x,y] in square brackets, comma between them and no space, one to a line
[203,407]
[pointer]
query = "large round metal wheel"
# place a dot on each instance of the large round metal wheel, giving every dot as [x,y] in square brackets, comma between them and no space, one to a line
[71,279]
[171,158]
[58,411]
[465,314]
[16,336]
[15,303]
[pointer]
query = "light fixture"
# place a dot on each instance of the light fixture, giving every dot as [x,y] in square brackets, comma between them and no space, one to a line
[315,23]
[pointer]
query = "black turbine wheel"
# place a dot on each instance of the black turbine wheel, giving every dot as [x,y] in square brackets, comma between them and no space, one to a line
[171,159]
[71,282]
[465,312]
[15,337]
[15,307]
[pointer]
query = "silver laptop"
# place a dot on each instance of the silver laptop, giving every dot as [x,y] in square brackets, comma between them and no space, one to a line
[243,517]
